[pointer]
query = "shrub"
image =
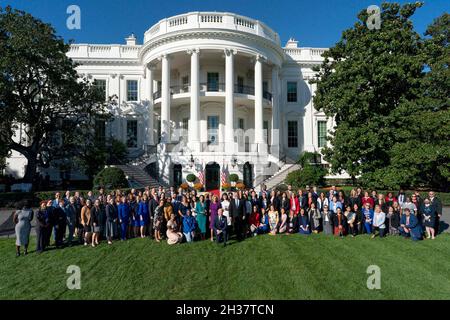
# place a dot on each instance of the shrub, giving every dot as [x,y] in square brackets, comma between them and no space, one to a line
[110,178]
[308,175]
[191,177]
[234,177]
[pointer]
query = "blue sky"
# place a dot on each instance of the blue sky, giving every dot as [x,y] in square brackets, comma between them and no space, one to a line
[315,23]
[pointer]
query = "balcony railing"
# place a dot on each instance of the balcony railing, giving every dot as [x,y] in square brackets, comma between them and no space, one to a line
[214,87]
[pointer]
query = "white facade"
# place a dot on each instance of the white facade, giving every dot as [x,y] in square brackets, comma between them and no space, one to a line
[212,87]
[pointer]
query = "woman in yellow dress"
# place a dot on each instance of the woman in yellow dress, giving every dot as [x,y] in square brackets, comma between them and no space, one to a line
[273,220]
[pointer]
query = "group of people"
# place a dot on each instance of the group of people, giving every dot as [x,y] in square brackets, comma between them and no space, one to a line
[181,215]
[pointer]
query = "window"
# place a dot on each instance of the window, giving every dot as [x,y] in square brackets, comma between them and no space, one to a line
[241,123]
[213,129]
[100,130]
[292,92]
[265,86]
[100,85]
[266,130]
[185,128]
[132,133]
[158,86]
[185,84]
[322,133]
[213,81]
[292,134]
[240,84]
[132,90]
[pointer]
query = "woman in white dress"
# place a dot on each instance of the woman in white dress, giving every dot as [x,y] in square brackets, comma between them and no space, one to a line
[226,210]
[173,237]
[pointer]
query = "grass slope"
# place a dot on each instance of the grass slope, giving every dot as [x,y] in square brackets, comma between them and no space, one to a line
[265,267]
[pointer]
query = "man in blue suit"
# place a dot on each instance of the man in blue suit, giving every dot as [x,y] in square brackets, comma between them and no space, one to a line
[410,226]
[220,228]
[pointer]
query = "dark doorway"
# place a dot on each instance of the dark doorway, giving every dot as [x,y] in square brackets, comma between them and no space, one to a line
[212,176]
[177,175]
[152,170]
[248,175]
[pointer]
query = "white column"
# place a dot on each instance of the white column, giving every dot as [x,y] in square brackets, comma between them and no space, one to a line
[149,87]
[259,136]
[229,100]
[165,100]
[276,134]
[194,123]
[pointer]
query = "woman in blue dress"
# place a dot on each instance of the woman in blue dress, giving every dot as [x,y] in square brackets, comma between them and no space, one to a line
[200,209]
[303,223]
[367,213]
[264,225]
[144,215]
[135,224]
[429,218]
[124,217]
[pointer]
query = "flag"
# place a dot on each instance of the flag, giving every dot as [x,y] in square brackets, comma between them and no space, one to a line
[223,176]
[201,177]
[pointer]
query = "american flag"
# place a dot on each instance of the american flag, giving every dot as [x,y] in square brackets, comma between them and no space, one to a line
[223,176]
[201,177]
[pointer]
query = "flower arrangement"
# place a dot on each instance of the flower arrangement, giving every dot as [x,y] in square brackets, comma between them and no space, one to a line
[226,186]
[184,186]
[198,186]
[240,185]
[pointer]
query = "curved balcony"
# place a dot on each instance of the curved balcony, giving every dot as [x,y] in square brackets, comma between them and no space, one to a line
[211,20]
[214,87]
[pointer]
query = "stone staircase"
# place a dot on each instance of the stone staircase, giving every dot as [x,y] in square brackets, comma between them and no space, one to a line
[279,176]
[138,176]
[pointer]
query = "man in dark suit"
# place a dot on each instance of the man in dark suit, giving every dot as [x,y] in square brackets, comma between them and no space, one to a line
[237,213]
[220,228]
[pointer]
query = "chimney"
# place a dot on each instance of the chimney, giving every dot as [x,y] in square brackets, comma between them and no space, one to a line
[131,40]
[292,43]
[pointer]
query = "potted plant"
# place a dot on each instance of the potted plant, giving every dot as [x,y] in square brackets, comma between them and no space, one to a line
[198,186]
[240,185]
[234,178]
[184,186]
[226,186]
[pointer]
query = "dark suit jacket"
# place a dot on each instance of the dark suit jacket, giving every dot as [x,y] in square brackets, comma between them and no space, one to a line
[237,211]
[220,223]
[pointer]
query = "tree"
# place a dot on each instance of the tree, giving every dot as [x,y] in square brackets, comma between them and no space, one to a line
[110,178]
[390,125]
[41,95]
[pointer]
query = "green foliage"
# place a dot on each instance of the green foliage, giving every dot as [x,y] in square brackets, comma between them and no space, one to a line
[191,177]
[40,91]
[91,160]
[234,177]
[311,173]
[388,90]
[110,178]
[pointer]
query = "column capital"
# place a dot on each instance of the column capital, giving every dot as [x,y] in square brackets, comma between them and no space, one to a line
[259,57]
[164,56]
[229,51]
[192,50]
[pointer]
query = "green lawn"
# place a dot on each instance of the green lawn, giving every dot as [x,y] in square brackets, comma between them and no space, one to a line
[265,267]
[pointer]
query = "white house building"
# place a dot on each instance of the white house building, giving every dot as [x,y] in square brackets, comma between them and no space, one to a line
[206,92]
